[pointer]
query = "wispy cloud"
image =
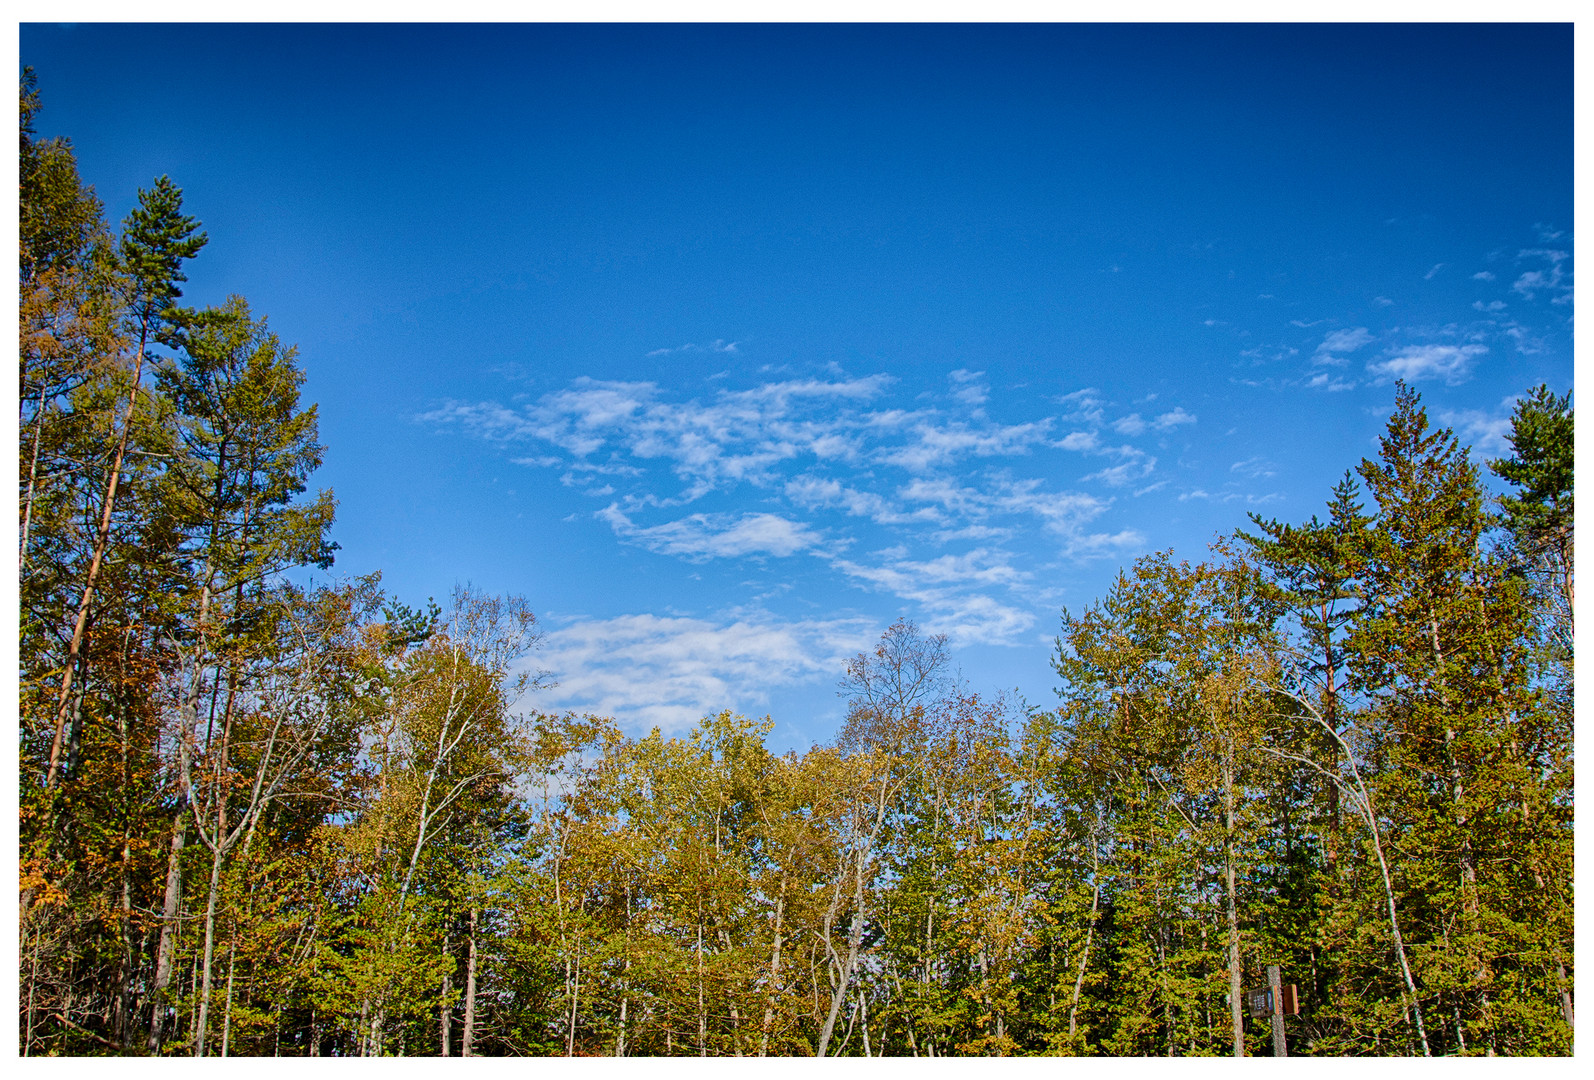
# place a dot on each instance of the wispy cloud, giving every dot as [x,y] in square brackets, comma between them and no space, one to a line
[1170,420]
[1452,363]
[1487,434]
[1229,496]
[951,589]
[720,345]
[968,387]
[832,457]
[1337,344]
[1254,467]
[1125,472]
[1084,406]
[1550,279]
[650,670]
[1323,381]
[935,444]
[817,492]
[705,536]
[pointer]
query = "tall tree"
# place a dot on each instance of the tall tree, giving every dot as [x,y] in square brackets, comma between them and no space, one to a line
[157,238]
[895,696]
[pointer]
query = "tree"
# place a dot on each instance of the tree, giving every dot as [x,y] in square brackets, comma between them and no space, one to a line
[447,745]
[156,239]
[247,450]
[1539,516]
[894,697]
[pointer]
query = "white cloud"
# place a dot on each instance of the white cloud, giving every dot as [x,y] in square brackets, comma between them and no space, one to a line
[1487,435]
[814,493]
[704,536]
[1323,381]
[1063,512]
[719,345]
[1483,275]
[1126,472]
[1268,354]
[1533,282]
[1429,276]
[1339,342]
[823,455]
[1170,420]
[948,588]
[1086,404]
[968,388]
[647,670]
[940,445]
[1492,305]
[1527,343]
[1382,301]
[1254,467]
[1231,496]
[1452,363]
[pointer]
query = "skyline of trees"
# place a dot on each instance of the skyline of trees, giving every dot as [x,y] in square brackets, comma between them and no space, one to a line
[262,818]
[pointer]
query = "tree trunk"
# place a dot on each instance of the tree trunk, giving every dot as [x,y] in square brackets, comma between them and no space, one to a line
[774,971]
[445,1012]
[226,1013]
[33,475]
[163,955]
[210,941]
[101,540]
[1084,958]
[467,1044]
[1275,983]
[1235,1016]
[854,939]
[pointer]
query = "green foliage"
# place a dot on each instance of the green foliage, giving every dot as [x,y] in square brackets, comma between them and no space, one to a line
[1539,468]
[313,820]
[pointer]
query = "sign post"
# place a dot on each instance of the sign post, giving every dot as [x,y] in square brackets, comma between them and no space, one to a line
[1276,992]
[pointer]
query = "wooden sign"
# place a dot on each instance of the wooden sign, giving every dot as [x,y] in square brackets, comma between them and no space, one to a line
[1260,1001]
[1290,1001]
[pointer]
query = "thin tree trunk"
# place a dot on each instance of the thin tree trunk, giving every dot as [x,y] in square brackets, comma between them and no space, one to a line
[101,540]
[445,1012]
[33,475]
[702,1016]
[774,970]
[163,955]
[467,1045]
[855,935]
[210,941]
[1084,958]
[863,1008]
[1394,929]
[1364,804]
[124,980]
[575,1001]
[33,982]
[854,939]
[1235,1016]
[218,853]
[226,1014]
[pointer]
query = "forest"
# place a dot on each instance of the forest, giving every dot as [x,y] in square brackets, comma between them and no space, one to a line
[263,817]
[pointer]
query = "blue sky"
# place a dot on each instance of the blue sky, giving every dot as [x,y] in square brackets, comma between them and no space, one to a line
[725,346]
